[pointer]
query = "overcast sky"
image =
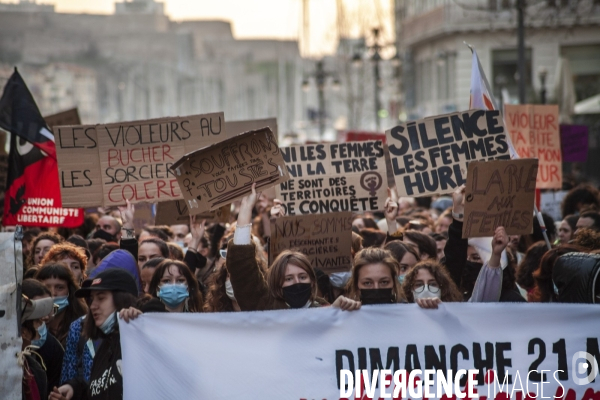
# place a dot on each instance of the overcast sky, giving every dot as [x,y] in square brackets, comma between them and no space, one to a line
[259,18]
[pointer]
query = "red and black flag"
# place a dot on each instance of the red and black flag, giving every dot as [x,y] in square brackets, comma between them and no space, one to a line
[32,195]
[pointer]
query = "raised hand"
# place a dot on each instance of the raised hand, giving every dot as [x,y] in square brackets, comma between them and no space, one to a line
[197,230]
[391,210]
[127,215]
[277,210]
[246,206]
[458,203]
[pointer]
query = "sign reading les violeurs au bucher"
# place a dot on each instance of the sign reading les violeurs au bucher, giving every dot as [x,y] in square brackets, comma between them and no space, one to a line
[430,156]
[500,193]
[334,177]
[217,175]
[109,164]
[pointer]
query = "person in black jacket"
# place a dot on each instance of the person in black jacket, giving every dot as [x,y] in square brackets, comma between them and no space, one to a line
[110,292]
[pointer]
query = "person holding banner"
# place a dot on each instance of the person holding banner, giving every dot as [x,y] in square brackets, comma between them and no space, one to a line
[113,291]
[176,286]
[428,284]
[374,278]
[59,279]
[291,281]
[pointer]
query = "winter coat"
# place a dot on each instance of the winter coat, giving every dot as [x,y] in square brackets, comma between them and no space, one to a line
[249,283]
[574,275]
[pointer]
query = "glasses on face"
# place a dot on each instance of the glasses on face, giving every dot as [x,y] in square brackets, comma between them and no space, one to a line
[432,287]
[223,253]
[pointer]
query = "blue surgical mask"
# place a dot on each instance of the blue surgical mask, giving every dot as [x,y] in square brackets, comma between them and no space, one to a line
[182,245]
[43,331]
[62,302]
[401,279]
[340,279]
[109,324]
[173,294]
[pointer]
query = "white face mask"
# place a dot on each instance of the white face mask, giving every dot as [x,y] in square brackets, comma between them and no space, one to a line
[229,290]
[427,294]
[340,279]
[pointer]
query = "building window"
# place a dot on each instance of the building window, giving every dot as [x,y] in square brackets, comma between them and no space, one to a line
[505,73]
[585,67]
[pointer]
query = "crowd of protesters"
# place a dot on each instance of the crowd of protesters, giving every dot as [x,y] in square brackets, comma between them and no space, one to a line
[80,284]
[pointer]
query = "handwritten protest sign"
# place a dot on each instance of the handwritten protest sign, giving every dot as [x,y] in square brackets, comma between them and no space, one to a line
[534,133]
[325,239]
[68,117]
[430,156]
[500,193]
[574,142]
[217,175]
[108,164]
[334,177]
[176,212]
[142,216]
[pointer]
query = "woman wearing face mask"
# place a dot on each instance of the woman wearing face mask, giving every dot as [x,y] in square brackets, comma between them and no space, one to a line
[220,296]
[375,278]
[40,246]
[290,282]
[406,255]
[428,284]
[112,291]
[175,285]
[34,383]
[72,256]
[48,347]
[60,281]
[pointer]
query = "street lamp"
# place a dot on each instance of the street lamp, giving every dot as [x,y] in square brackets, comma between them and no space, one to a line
[542,74]
[376,48]
[320,75]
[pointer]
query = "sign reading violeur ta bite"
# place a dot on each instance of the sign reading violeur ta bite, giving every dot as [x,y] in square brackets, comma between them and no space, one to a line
[500,193]
[334,177]
[109,164]
[430,156]
[217,175]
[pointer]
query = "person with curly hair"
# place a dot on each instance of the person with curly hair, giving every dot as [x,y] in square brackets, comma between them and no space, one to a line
[428,284]
[544,290]
[220,296]
[40,246]
[72,256]
[579,199]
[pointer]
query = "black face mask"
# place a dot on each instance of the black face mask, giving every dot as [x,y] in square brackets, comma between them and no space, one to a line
[376,296]
[102,234]
[297,295]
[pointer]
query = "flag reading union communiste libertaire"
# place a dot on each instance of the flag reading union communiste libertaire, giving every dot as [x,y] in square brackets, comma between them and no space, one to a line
[32,196]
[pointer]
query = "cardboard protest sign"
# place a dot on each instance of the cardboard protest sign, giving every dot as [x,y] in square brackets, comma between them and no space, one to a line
[68,117]
[574,143]
[430,156]
[217,175]
[551,203]
[143,216]
[176,212]
[325,239]
[334,177]
[108,164]
[500,193]
[534,133]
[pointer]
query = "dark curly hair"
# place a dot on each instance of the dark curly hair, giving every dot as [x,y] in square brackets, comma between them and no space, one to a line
[450,292]
[30,262]
[216,297]
[581,198]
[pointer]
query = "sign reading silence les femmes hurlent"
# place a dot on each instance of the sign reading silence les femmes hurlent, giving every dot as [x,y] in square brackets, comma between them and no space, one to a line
[430,156]
[334,177]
